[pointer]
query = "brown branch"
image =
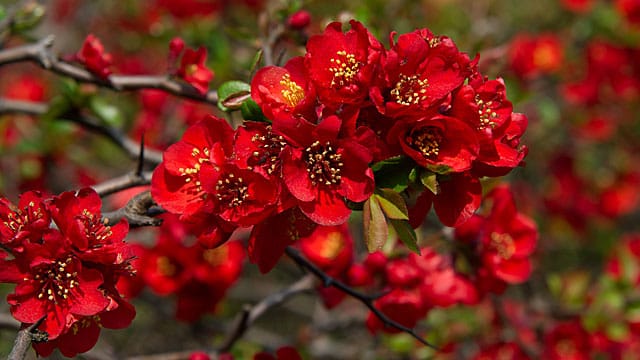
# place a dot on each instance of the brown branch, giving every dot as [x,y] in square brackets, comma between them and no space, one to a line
[23,340]
[123,182]
[250,314]
[132,148]
[365,299]
[41,53]
[139,211]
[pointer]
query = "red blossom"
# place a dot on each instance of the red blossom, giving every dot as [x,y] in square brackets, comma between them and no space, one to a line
[343,66]
[66,273]
[192,67]
[531,56]
[94,58]
[321,170]
[299,20]
[567,341]
[501,351]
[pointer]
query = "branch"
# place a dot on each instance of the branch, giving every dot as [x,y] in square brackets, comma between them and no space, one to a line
[367,300]
[41,53]
[24,339]
[123,182]
[139,211]
[251,313]
[132,148]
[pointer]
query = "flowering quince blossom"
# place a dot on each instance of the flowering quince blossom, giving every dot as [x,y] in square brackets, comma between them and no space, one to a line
[505,238]
[65,274]
[192,67]
[330,114]
[93,57]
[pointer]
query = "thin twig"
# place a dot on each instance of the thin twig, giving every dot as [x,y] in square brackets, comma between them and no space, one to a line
[124,182]
[367,300]
[41,53]
[132,148]
[24,339]
[250,314]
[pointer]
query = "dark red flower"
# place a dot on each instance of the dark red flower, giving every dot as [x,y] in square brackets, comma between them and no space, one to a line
[343,66]
[531,56]
[321,170]
[630,10]
[30,219]
[458,197]
[567,341]
[330,248]
[270,238]
[67,273]
[421,69]
[192,67]
[440,143]
[508,238]
[405,307]
[94,58]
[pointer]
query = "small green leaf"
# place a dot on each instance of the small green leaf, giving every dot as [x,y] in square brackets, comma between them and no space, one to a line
[440,169]
[106,112]
[406,234]
[376,230]
[393,173]
[392,204]
[430,181]
[232,94]
[251,111]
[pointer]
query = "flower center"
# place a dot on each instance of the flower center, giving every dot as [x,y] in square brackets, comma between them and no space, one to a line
[566,348]
[426,141]
[344,69]
[231,190]
[332,245]
[165,267]
[17,219]
[410,90]
[486,113]
[323,164]
[268,156]
[292,92]
[57,280]
[95,229]
[503,244]
[215,256]
[434,41]
[200,156]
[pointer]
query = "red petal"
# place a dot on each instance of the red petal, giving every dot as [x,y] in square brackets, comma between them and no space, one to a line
[459,198]
[327,209]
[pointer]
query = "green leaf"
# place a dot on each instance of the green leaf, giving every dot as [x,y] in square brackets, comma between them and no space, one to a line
[232,94]
[406,234]
[251,111]
[106,112]
[430,181]
[376,230]
[440,169]
[58,106]
[393,173]
[392,204]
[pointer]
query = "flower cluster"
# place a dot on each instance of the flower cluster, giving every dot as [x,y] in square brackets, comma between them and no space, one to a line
[346,104]
[66,274]
[198,277]
[93,56]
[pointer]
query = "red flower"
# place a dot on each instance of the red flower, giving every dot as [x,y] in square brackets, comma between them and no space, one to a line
[29,220]
[567,341]
[531,56]
[421,69]
[284,93]
[192,67]
[405,307]
[440,143]
[458,197]
[321,170]
[67,273]
[93,57]
[508,239]
[630,9]
[330,248]
[343,66]
[270,238]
